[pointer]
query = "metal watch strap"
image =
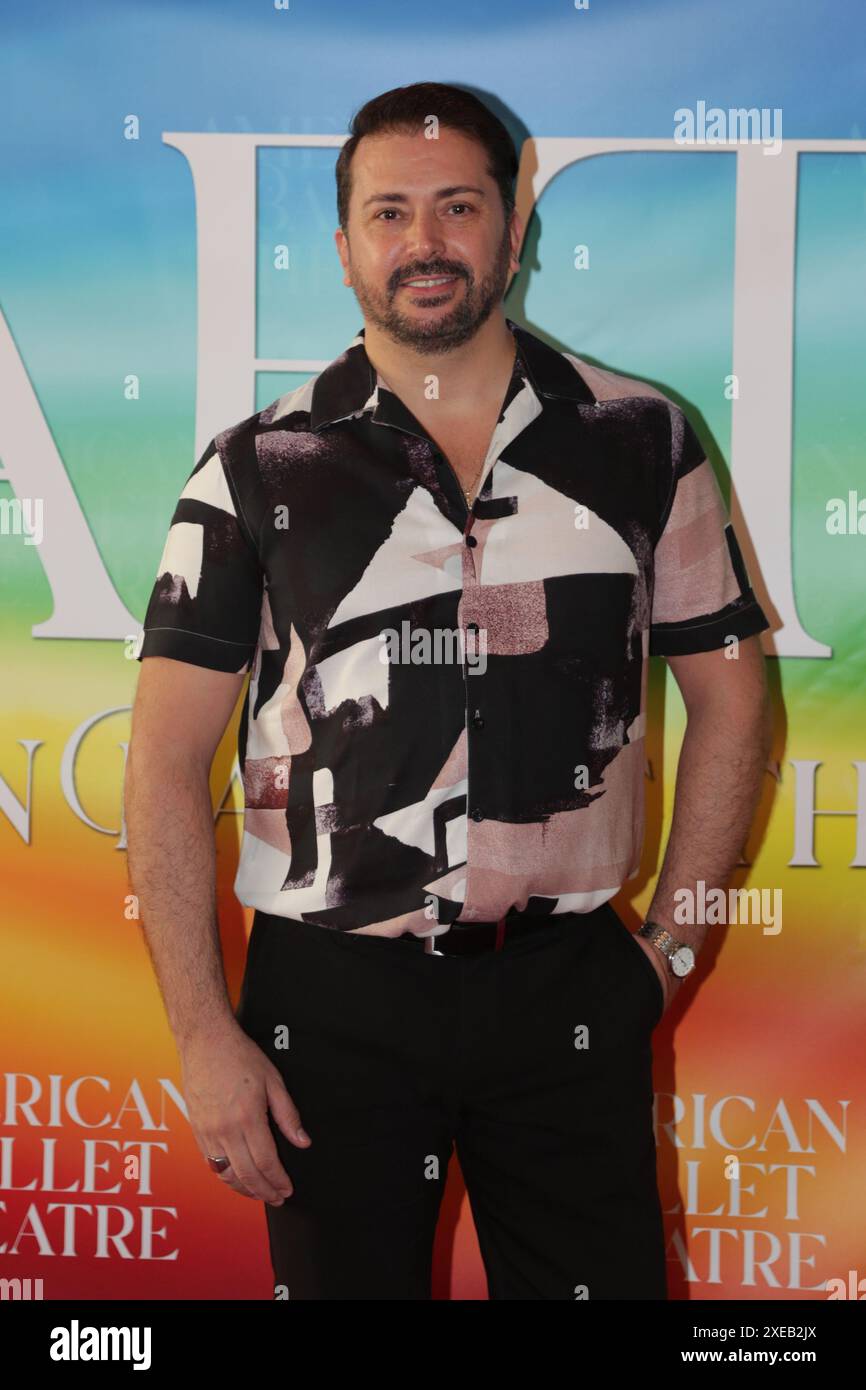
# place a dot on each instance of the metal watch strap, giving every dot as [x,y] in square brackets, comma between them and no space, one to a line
[666,942]
[660,937]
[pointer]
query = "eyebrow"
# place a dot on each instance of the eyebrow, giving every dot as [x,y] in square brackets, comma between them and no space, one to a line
[440,193]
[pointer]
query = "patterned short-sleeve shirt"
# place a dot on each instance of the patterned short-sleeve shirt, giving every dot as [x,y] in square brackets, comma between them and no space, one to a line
[445,713]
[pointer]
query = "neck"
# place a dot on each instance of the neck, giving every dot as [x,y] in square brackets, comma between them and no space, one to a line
[466,376]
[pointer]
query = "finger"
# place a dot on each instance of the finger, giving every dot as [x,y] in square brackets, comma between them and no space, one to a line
[246,1169]
[263,1152]
[212,1146]
[228,1178]
[284,1110]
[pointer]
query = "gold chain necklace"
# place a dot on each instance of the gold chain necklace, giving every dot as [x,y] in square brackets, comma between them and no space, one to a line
[467,491]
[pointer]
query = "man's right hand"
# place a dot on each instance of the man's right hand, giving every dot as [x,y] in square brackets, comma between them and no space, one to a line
[229,1085]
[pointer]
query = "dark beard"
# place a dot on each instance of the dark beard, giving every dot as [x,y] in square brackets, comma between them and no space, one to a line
[454,328]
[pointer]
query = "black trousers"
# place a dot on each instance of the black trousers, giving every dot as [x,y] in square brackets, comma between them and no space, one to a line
[533,1062]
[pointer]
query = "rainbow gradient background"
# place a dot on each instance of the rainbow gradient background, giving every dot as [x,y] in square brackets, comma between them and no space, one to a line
[98,279]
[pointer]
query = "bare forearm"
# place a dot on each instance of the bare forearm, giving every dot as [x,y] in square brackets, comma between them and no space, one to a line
[172,858]
[718,786]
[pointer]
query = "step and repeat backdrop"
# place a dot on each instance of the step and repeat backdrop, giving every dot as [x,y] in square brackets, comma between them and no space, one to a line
[693,186]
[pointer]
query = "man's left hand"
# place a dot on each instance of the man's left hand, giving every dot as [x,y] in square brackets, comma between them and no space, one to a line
[670,981]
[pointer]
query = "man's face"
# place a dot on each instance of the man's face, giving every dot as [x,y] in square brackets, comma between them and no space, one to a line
[423,209]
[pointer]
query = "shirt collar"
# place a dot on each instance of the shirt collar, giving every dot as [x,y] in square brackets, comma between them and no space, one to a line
[350,386]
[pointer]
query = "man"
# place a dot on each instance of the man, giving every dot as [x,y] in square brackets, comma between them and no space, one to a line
[443,563]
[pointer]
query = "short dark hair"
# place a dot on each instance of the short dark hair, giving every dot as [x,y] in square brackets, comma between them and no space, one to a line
[406,109]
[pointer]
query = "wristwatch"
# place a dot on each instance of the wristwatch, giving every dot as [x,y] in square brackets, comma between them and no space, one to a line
[681,958]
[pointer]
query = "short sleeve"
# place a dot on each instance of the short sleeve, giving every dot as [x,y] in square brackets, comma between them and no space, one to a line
[205,606]
[701,590]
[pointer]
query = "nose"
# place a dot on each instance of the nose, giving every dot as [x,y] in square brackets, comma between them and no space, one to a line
[426,238]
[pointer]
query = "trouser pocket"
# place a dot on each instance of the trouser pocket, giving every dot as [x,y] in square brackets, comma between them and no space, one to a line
[642,963]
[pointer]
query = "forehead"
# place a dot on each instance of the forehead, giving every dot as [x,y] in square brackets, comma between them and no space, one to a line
[414,163]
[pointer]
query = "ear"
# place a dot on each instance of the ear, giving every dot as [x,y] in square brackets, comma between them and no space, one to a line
[342,244]
[516,234]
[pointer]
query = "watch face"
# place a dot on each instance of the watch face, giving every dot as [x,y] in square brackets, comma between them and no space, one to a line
[683,960]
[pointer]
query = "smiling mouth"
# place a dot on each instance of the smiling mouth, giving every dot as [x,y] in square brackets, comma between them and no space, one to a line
[428,282]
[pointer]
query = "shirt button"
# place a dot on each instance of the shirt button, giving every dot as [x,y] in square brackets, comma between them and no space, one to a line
[477,815]
[471,541]
[477,720]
